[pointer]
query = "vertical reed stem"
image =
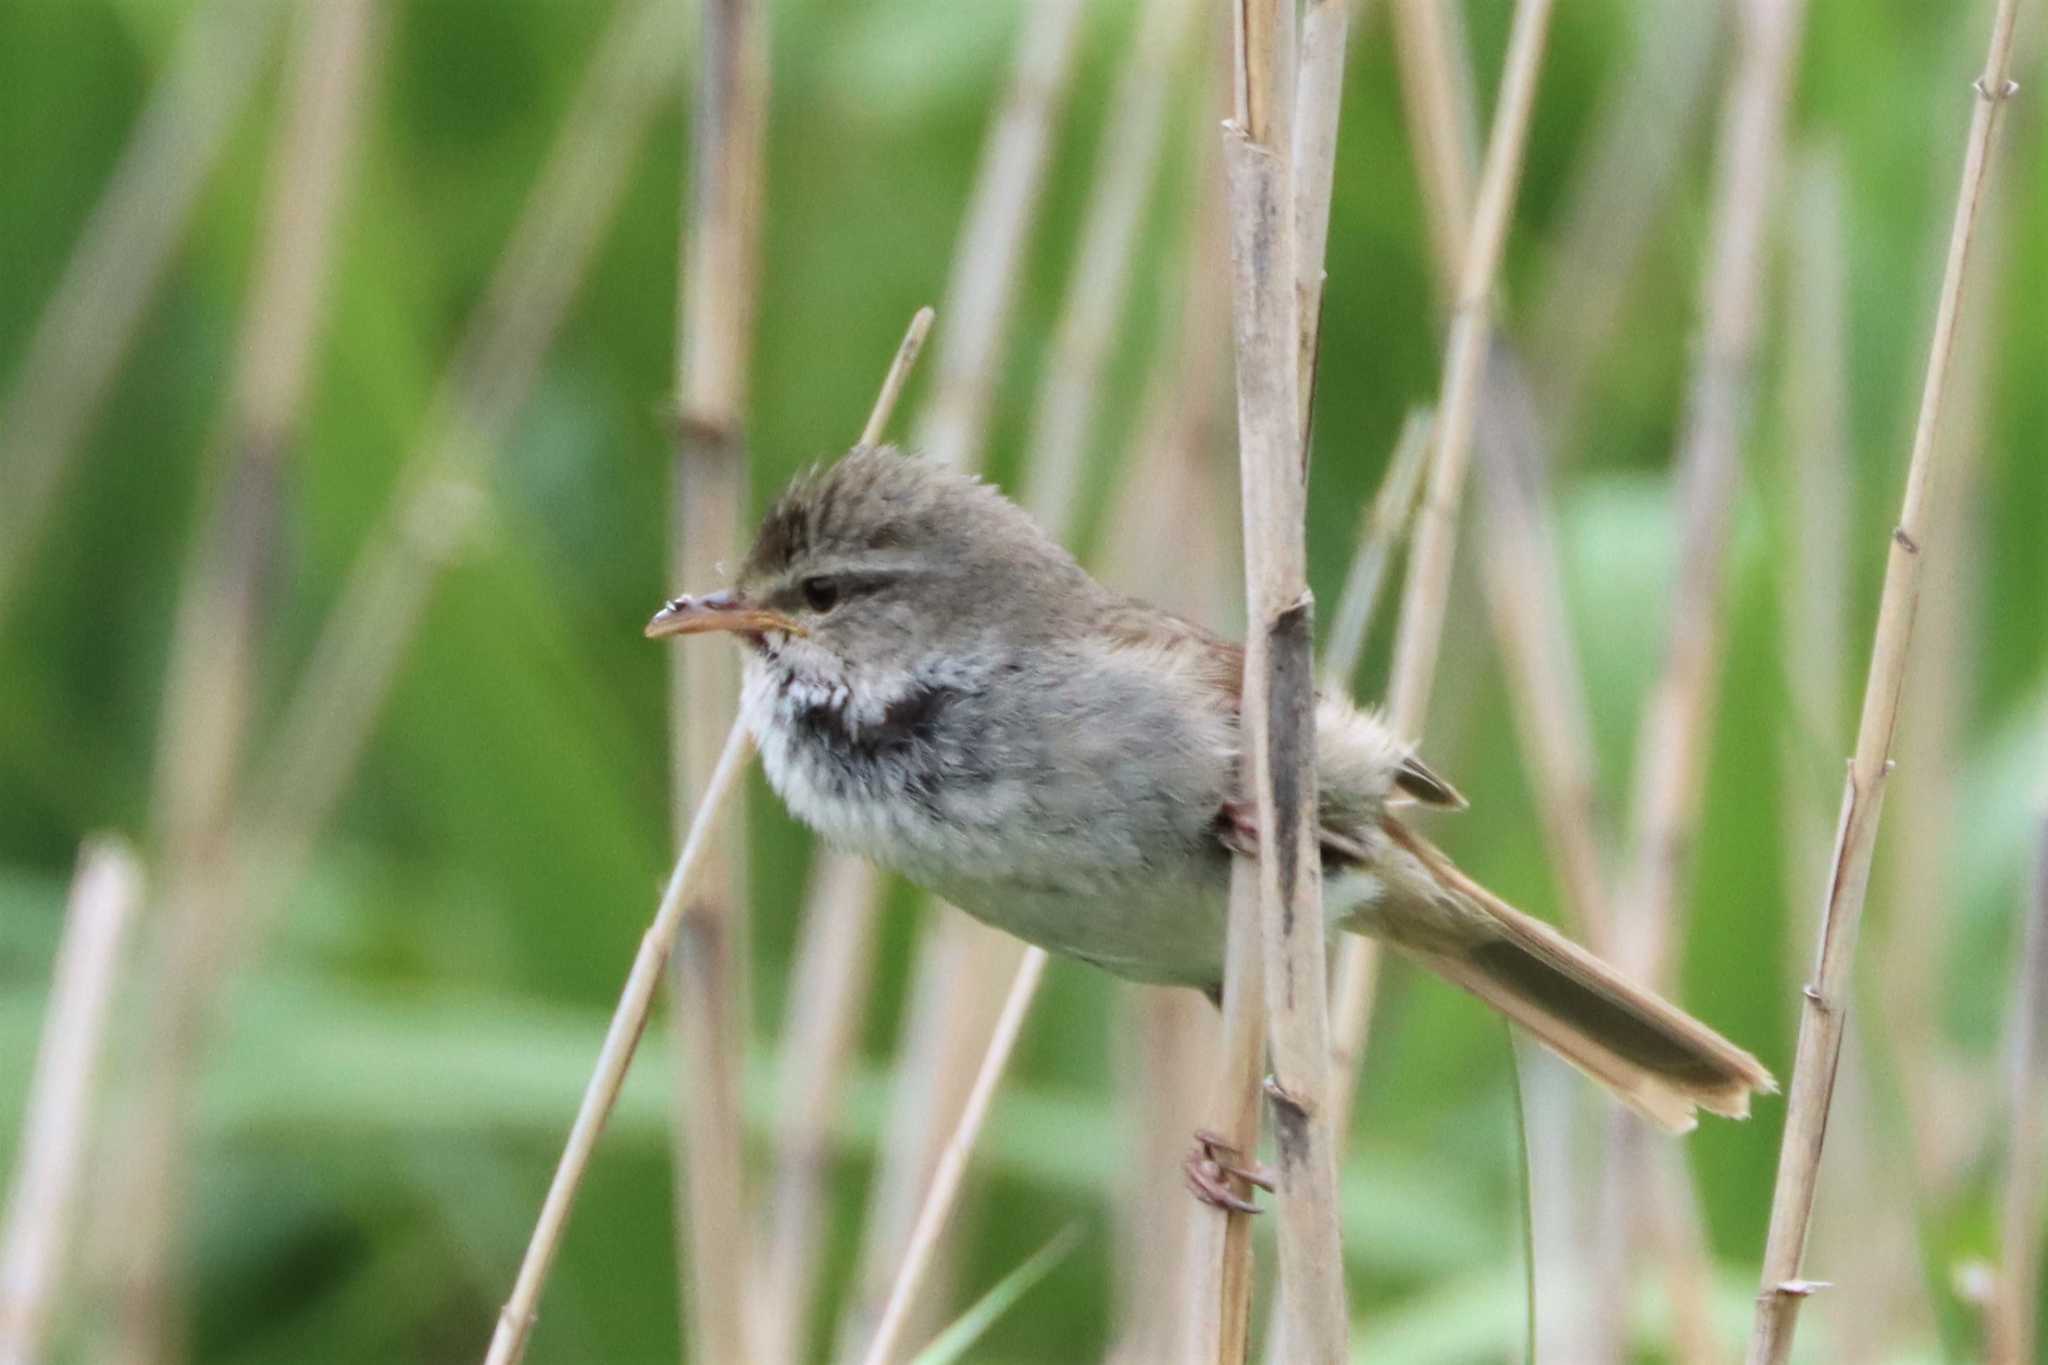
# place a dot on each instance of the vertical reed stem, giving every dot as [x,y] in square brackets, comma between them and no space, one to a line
[717,279]
[1827,999]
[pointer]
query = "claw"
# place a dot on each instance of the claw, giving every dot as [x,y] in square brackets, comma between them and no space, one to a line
[1210,1167]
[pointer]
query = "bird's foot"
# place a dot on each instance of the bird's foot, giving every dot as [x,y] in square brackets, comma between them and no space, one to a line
[1211,1166]
[1237,826]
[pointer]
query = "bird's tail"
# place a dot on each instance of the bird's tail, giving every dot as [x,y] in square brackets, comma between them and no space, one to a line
[1656,1058]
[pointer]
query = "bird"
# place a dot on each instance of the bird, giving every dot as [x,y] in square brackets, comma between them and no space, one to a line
[935,684]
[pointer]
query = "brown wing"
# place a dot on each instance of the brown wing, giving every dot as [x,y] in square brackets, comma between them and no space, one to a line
[1220,665]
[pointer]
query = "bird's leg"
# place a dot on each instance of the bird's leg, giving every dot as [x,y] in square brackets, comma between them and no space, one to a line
[1210,1166]
[1237,827]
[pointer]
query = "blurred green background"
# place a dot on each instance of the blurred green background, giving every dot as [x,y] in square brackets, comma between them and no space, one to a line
[394,1073]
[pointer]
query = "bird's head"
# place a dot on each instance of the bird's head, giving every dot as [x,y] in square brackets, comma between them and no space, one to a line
[881,561]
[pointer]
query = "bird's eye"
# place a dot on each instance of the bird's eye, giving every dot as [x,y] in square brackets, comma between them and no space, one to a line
[820,594]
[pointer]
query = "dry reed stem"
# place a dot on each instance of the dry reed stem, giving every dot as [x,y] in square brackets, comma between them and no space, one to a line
[993,235]
[208,689]
[330,718]
[1676,728]
[1947,1098]
[123,251]
[1524,580]
[1827,999]
[718,281]
[1426,592]
[56,1128]
[211,685]
[1219,1241]
[1678,716]
[1429,38]
[1380,530]
[829,987]
[907,352]
[827,991]
[1319,97]
[952,1165]
[629,1021]
[1618,192]
[1525,594]
[440,495]
[1064,417]
[1278,709]
[2015,1303]
[1883,1284]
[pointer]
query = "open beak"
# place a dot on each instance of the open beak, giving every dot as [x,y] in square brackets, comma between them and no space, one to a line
[717,611]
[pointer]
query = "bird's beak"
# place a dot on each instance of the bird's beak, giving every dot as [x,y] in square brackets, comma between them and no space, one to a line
[717,611]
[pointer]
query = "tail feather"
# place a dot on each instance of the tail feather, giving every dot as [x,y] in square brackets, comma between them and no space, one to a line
[1654,1057]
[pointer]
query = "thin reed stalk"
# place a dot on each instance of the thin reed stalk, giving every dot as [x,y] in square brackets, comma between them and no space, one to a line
[1380,531]
[1426,592]
[1678,717]
[993,235]
[629,1021]
[1429,39]
[208,692]
[718,281]
[1826,998]
[1525,594]
[122,254]
[952,1165]
[829,983]
[328,722]
[1523,576]
[1271,231]
[1883,1298]
[1618,192]
[57,1127]
[211,686]
[1219,1241]
[2015,1303]
[1134,128]
[1677,724]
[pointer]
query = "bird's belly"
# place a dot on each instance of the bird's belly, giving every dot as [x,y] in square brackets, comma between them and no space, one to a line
[1165,929]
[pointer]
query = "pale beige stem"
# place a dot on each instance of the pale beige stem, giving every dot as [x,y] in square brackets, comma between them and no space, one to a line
[952,1166]
[993,235]
[1617,195]
[56,1128]
[211,688]
[1219,1241]
[2015,1306]
[1426,592]
[1064,418]
[1278,713]
[1380,530]
[122,254]
[629,1021]
[1525,594]
[718,281]
[1678,717]
[1827,997]
[440,496]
